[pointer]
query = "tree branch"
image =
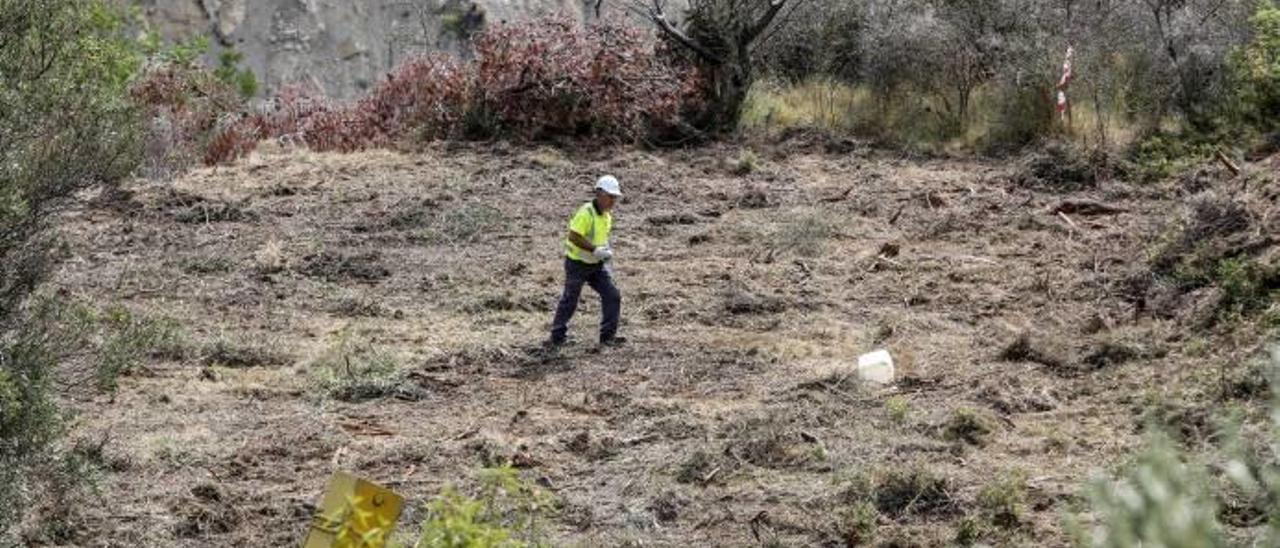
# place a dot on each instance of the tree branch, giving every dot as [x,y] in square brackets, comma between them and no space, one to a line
[782,23]
[754,31]
[659,18]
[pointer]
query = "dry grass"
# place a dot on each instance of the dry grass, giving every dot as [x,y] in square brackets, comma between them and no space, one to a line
[910,119]
[734,400]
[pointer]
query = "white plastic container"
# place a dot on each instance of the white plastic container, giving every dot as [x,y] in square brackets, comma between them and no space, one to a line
[876,367]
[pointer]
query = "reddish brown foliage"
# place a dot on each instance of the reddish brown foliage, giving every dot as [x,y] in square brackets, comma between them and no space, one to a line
[532,80]
[192,115]
[234,140]
[551,77]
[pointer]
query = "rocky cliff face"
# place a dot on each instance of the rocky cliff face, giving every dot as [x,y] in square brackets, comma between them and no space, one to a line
[340,46]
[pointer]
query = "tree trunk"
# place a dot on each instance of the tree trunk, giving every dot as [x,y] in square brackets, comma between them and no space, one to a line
[728,86]
[729,73]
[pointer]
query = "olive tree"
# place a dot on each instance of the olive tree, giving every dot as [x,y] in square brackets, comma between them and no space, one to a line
[720,37]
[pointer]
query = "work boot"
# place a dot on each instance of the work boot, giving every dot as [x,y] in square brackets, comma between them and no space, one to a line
[549,349]
[614,342]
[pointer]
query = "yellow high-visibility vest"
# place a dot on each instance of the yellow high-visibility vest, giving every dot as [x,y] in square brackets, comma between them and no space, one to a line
[592,225]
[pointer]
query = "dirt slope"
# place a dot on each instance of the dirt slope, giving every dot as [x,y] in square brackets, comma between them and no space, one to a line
[730,420]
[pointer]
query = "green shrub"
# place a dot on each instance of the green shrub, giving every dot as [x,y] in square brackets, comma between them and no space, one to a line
[1256,69]
[1163,155]
[64,65]
[899,408]
[1248,285]
[968,426]
[1166,498]
[508,513]
[1160,501]
[349,371]
[1003,502]
[969,531]
[59,347]
[1023,115]
[230,73]
[124,339]
[899,491]
[746,163]
[30,422]
[858,524]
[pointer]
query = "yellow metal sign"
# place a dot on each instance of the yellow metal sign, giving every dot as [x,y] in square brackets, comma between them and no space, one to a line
[354,513]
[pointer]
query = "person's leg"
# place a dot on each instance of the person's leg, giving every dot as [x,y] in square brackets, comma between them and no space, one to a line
[610,303]
[574,277]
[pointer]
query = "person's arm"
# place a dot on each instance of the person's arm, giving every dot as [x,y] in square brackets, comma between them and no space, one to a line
[581,241]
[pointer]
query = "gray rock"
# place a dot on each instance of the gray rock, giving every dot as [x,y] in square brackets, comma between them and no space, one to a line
[340,46]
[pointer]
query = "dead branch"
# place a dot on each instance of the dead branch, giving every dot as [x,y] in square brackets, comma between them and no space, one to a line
[1069,221]
[1226,162]
[838,197]
[1086,207]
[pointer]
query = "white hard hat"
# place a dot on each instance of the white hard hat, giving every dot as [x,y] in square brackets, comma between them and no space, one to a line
[609,184]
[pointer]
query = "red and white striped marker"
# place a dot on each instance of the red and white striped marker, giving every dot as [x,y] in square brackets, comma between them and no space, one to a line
[1064,83]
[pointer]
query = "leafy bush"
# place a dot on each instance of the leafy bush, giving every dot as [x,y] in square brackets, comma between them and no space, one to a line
[969,531]
[1167,498]
[30,422]
[1256,69]
[65,65]
[533,80]
[858,524]
[230,73]
[1003,502]
[549,77]
[191,117]
[121,339]
[61,348]
[1247,285]
[1161,501]
[823,41]
[1024,114]
[968,426]
[508,513]
[1162,155]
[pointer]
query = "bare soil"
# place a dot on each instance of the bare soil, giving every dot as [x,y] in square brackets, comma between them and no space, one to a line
[731,418]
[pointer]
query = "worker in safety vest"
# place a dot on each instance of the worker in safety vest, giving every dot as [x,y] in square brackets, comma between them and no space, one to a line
[587,261]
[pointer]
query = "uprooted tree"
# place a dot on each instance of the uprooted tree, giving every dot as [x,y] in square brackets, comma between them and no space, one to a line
[720,36]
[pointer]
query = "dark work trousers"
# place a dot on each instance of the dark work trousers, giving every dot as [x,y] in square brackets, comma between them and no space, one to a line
[597,276]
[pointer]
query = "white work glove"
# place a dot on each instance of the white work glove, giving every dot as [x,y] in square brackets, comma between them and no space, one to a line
[602,253]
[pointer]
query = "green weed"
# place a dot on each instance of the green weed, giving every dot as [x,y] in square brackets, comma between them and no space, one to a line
[351,371]
[968,426]
[1003,502]
[899,409]
[507,513]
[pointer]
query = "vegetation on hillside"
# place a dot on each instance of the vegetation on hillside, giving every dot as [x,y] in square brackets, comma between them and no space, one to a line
[84,104]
